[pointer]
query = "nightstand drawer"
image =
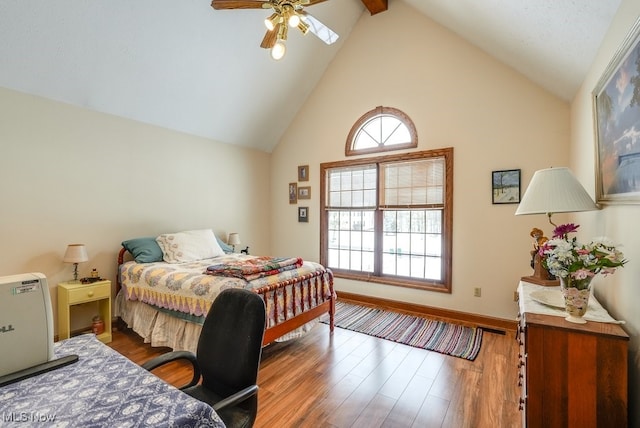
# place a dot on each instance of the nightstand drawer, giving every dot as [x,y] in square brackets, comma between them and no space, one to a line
[89,293]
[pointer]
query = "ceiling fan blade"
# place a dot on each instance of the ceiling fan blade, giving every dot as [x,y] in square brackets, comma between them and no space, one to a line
[321,31]
[239,4]
[270,37]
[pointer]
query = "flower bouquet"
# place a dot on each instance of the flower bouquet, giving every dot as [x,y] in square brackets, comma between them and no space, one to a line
[575,264]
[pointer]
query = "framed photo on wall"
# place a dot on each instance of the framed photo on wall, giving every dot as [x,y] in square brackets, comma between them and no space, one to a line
[293,193]
[303,214]
[303,173]
[304,192]
[505,186]
[616,103]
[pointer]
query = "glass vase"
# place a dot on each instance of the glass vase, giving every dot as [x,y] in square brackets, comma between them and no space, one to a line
[576,293]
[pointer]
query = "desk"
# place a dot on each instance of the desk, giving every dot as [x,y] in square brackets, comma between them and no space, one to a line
[101,389]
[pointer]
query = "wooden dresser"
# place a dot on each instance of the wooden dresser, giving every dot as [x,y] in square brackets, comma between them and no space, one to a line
[571,375]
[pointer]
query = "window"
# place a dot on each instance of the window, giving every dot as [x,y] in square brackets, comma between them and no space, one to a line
[380,130]
[388,219]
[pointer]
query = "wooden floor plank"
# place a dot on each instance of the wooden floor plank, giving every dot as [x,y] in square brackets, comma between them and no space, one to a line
[400,379]
[409,403]
[375,413]
[432,413]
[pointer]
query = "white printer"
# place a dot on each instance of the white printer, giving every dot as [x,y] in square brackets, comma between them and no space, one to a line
[26,322]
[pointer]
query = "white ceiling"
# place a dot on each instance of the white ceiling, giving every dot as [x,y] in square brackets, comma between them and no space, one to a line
[184,66]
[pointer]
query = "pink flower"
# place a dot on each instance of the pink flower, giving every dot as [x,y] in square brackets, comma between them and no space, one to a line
[564,229]
[582,274]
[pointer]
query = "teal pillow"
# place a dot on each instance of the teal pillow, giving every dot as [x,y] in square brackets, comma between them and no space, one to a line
[228,249]
[143,250]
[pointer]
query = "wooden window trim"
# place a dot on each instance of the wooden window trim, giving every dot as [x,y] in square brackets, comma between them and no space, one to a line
[447,227]
[380,110]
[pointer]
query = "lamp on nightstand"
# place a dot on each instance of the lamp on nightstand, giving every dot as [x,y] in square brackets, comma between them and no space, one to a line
[552,190]
[234,239]
[76,253]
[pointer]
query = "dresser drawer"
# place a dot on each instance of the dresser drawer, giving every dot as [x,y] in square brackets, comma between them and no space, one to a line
[89,293]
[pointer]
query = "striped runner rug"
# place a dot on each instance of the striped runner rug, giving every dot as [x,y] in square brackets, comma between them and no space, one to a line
[439,336]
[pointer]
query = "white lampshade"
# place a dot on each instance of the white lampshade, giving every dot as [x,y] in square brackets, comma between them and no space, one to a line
[76,253]
[234,239]
[555,190]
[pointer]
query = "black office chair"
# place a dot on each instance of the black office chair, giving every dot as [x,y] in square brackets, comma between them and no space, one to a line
[228,357]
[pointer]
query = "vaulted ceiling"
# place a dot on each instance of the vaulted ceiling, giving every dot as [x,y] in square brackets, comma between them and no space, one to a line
[184,66]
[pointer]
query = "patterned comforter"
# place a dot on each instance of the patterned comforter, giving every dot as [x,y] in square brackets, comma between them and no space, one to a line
[185,288]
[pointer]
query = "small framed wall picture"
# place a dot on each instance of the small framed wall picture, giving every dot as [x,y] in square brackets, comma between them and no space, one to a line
[303,214]
[303,173]
[304,192]
[505,186]
[293,193]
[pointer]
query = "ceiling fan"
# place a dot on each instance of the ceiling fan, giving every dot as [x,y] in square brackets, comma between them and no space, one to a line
[286,13]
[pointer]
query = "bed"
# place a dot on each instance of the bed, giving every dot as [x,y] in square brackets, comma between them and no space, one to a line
[165,286]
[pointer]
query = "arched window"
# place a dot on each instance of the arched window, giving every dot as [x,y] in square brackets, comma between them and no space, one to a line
[379,130]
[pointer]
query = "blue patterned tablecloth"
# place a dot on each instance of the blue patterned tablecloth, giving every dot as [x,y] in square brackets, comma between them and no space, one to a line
[101,389]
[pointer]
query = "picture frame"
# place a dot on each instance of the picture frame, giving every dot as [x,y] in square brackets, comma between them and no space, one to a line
[303,214]
[616,107]
[303,173]
[304,192]
[505,186]
[293,193]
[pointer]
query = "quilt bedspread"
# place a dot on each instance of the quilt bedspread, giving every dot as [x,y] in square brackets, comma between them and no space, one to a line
[185,288]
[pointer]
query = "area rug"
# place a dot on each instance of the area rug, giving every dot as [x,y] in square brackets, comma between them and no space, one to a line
[439,336]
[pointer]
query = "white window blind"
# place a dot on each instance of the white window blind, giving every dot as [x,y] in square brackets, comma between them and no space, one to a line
[413,184]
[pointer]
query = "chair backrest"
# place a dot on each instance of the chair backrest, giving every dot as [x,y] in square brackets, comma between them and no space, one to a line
[230,345]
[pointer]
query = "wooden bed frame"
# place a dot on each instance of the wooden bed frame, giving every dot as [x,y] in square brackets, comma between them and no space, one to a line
[289,324]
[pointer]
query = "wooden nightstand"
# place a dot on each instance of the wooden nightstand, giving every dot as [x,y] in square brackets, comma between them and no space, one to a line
[74,293]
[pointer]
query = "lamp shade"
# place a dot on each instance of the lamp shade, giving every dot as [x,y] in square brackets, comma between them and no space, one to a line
[234,239]
[555,190]
[76,253]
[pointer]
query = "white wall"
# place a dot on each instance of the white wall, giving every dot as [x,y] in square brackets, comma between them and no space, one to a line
[69,175]
[457,96]
[620,293]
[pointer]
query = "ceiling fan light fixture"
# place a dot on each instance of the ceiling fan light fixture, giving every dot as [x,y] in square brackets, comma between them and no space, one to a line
[294,20]
[278,50]
[304,27]
[272,21]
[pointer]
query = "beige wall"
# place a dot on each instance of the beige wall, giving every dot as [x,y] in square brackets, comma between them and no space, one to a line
[71,175]
[457,97]
[620,293]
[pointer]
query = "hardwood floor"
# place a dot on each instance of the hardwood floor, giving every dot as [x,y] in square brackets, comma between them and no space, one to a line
[353,380]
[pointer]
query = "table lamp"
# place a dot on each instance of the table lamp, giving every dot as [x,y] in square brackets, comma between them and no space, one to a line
[552,190]
[76,253]
[234,239]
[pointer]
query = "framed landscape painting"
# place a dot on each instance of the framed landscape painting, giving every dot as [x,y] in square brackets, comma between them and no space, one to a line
[616,102]
[505,186]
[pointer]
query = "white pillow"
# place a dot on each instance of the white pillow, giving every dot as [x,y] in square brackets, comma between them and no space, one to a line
[189,246]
